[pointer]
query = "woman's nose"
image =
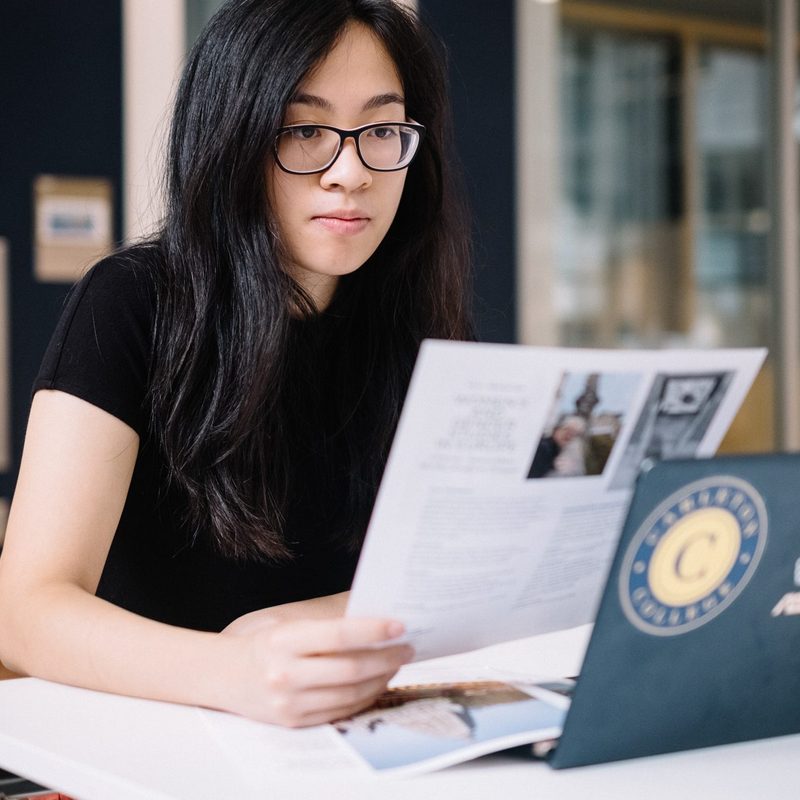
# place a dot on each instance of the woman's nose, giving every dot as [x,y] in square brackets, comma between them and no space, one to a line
[347,171]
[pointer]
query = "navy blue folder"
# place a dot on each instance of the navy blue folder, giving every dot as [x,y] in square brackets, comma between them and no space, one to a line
[697,638]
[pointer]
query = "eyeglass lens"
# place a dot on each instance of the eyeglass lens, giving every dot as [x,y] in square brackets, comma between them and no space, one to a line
[306,148]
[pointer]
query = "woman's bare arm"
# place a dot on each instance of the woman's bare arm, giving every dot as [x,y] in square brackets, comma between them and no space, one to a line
[73,481]
[331,606]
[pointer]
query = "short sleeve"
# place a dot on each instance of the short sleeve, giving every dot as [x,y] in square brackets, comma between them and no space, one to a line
[101,348]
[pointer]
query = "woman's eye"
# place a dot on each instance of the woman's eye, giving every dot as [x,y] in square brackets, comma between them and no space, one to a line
[386,132]
[305,132]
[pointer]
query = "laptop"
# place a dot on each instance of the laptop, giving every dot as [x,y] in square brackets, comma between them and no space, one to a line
[697,638]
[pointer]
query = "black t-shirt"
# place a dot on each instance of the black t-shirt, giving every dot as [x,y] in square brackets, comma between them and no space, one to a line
[101,352]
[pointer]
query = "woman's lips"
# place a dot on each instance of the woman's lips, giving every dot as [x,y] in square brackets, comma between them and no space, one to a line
[343,225]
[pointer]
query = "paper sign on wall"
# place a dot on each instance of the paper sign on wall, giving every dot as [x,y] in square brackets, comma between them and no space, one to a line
[73,219]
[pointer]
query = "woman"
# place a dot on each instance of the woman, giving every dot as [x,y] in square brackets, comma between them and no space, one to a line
[213,414]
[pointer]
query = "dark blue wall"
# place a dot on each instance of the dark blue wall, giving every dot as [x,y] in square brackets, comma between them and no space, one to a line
[61,106]
[480,40]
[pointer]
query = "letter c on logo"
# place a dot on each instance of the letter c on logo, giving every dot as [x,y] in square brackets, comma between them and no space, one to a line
[711,537]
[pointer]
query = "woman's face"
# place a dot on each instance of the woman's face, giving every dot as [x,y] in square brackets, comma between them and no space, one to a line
[331,222]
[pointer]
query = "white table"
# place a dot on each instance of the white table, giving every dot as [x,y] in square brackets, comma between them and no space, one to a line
[96,746]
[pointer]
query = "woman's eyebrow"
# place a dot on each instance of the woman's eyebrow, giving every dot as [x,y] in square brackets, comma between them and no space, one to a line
[311,100]
[379,100]
[386,99]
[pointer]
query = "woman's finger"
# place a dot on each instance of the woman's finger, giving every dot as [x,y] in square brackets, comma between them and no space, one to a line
[346,669]
[317,637]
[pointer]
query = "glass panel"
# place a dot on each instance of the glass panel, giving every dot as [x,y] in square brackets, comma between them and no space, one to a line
[664,223]
[198,13]
[732,295]
[619,270]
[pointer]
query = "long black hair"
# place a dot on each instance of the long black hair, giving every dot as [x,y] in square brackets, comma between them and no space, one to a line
[236,378]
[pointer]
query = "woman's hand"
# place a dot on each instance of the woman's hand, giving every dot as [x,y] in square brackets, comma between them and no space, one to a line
[308,672]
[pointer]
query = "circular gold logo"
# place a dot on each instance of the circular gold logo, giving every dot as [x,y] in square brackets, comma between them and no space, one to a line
[693,555]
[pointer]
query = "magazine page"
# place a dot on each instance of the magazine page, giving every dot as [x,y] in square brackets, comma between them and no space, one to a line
[510,476]
[534,659]
[505,679]
[412,729]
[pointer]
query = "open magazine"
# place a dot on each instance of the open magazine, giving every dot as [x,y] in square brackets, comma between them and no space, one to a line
[510,476]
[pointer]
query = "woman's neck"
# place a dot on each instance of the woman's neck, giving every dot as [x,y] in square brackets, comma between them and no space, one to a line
[320,288]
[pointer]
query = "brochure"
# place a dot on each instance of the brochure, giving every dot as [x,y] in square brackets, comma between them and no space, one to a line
[510,475]
[449,710]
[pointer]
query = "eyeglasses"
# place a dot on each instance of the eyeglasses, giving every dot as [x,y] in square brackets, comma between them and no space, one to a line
[382,146]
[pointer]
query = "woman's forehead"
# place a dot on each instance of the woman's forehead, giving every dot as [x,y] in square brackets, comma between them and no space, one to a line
[357,75]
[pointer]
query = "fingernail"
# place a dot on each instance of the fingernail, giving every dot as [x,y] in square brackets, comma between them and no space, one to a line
[395,629]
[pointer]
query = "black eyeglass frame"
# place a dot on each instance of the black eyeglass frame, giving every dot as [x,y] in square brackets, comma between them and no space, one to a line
[344,134]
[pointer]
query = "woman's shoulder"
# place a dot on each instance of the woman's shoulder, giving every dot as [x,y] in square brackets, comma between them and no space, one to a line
[125,277]
[117,292]
[101,348]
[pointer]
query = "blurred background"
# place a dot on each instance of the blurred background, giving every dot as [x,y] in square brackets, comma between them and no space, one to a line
[631,168]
